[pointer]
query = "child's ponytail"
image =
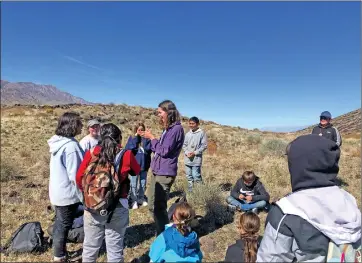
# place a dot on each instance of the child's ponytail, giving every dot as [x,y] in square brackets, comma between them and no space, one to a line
[249,225]
[182,217]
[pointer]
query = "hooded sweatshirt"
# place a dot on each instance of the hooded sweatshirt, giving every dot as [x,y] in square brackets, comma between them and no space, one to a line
[66,157]
[256,190]
[300,225]
[172,246]
[195,141]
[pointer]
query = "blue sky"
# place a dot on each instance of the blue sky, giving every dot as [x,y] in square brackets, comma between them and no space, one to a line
[248,64]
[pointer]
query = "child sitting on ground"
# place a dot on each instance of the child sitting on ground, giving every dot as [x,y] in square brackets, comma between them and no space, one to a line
[178,243]
[245,249]
[248,194]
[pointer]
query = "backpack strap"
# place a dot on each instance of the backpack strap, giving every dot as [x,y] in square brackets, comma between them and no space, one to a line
[344,250]
[117,164]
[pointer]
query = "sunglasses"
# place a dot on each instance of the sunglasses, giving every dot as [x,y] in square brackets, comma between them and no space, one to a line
[324,118]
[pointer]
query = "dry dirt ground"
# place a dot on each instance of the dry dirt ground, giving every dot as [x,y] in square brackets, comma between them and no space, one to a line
[25,173]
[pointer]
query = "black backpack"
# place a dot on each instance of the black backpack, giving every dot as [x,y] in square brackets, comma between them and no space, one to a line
[195,223]
[28,238]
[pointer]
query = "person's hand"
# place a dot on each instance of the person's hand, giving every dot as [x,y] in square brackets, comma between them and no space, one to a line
[241,197]
[192,154]
[148,134]
[249,198]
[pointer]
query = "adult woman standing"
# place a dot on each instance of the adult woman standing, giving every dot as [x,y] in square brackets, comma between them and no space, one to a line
[164,162]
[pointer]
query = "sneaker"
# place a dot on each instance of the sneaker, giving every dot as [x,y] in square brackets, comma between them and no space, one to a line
[232,208]
[255,210]
[135,206]
[144,203]
[75,256]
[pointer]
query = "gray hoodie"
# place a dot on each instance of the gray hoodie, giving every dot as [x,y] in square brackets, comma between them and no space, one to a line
[195,141]
[66,157]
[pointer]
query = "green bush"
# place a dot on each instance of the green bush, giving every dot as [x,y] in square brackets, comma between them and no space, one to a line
[275,147]
[8,171]
[253,139]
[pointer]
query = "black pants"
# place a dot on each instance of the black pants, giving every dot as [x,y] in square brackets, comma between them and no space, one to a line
[64,216]
[157,198]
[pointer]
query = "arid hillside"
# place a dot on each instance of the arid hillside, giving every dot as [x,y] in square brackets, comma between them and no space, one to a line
[348,123]
[25,172]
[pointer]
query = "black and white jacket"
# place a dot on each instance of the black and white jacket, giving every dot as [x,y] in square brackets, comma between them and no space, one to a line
[329,132]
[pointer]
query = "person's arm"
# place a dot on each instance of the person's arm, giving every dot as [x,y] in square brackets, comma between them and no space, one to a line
[315,130]
[73,161]
[235,192]
[185,144]
[157,249]
[276,245]
[168,144]
[132,145]
[262,194]
[203,145]
[83,144]
[147,146]
[81,170]
[338,138]
[130,164]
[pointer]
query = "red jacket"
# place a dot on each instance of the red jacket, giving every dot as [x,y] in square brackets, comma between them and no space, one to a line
[129,166]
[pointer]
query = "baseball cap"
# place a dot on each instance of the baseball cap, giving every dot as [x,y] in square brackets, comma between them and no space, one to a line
[326,114]
[93,122]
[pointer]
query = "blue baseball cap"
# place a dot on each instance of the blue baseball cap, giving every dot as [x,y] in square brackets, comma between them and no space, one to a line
[326,114]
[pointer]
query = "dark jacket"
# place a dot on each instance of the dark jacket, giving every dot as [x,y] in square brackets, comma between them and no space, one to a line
[329,132]
[235,252]
[300,225]
[257,190]
[143,157]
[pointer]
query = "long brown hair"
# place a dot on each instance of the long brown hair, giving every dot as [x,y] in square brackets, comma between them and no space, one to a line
[140,124]
[183,216]
[170,108]
[249,225]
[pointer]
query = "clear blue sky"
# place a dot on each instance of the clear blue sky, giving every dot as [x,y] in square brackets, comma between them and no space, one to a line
[248,64]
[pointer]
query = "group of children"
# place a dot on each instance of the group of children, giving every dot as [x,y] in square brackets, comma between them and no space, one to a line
[313,164]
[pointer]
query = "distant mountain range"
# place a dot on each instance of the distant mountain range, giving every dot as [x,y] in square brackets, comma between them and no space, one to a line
[284,128]
[29,93]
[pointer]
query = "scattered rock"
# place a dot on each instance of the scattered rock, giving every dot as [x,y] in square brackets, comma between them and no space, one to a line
[208,244]
[13,194]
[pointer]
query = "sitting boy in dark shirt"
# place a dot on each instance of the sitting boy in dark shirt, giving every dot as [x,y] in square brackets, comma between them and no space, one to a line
[249,194]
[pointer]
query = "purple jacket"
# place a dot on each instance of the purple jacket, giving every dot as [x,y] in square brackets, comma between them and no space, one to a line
[167,150]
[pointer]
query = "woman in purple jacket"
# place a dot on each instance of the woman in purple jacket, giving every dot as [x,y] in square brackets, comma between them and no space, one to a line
[164,162]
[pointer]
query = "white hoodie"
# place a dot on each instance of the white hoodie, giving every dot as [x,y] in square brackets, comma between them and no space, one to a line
[331,210]
[66,157]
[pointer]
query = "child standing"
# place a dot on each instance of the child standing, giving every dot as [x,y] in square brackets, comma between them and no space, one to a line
[245,249]
[141,148]
[194,145]
[178,243]
[249,193]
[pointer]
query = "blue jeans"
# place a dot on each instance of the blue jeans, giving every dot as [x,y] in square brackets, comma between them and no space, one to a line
[193,175]
[244,206]
[138,187]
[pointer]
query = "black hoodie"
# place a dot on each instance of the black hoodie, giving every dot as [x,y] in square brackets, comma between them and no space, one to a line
[257,188]
[313,162]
